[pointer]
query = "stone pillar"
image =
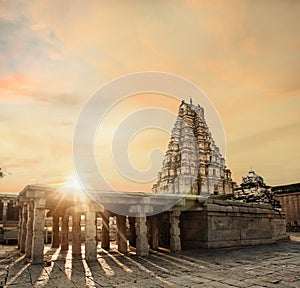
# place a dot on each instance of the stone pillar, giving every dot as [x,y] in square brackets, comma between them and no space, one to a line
[37,254]
[90,236]
[132,234]
[141,233]
[76,235]
[65,232]
[29,226]
[105,231]
[55,231]
[20,228]
[175,241]
[5,208]
[24,228]
[121,234]
[154,236]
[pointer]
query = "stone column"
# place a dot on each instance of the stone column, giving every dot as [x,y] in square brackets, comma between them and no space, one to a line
[65,232]
[132,234]
[141,240]
[121,233]
[90,236]
[5,208]
[175,242]
[76,235]
[55,231]
[105,231]
[154,237]
[29,226]
[20,228]
[37,254]
[24,228]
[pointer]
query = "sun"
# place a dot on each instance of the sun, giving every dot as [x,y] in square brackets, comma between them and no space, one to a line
[72,182]
[72,185]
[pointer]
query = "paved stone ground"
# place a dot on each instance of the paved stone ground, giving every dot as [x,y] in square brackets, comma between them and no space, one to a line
[274,265]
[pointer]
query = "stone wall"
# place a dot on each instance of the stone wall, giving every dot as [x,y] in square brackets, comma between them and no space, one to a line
[291,206]
[229,224]
[289,198]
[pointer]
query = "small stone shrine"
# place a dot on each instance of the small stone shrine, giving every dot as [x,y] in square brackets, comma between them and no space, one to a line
[254,190]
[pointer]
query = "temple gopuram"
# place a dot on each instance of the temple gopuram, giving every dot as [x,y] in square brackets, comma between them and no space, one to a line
[193,163]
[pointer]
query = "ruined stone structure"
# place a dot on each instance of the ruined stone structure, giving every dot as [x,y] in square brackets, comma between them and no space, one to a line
[190,224]
[9,211]
[193,163]
[36,202]
[9,218]
[229,223]
[175,216]
[254,190]
[289,197]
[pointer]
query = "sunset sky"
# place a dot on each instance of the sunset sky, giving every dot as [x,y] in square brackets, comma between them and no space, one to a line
[245,56]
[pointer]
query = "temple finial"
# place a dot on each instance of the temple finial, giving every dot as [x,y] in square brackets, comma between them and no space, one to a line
[191,101]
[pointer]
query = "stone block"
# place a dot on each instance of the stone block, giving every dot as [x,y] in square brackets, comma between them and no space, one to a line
[141,229]
[244,210]
[223,244]
[175,213]
[229,209]
[174,230]
[252,210]
[236,209]
[175,244]
[250,233]
[222,208]
[221,202]
[193,235]
[213,207]
[221,223]
[224,235]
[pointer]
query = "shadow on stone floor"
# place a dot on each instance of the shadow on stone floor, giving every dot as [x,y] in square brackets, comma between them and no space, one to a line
[275,265]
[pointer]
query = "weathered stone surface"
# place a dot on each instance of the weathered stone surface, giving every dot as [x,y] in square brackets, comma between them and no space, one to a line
[55,231]
[90,236]
[153,233]
[65,232]
[29,228]
[257,266]
[175,241]
[105,241]
[121,234]
[23,228]
[254,190]
[76,235]
[289,198]
[142,248]
[38,234]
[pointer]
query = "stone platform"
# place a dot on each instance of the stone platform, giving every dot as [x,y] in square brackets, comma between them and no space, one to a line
[272,265]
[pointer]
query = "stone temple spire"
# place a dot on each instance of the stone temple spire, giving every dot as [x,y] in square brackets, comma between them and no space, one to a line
[193,163]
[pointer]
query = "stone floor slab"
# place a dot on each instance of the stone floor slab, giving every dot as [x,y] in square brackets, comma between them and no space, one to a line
[275,265]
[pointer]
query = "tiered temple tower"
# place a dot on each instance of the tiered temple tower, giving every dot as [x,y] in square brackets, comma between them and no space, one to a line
[193,163]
